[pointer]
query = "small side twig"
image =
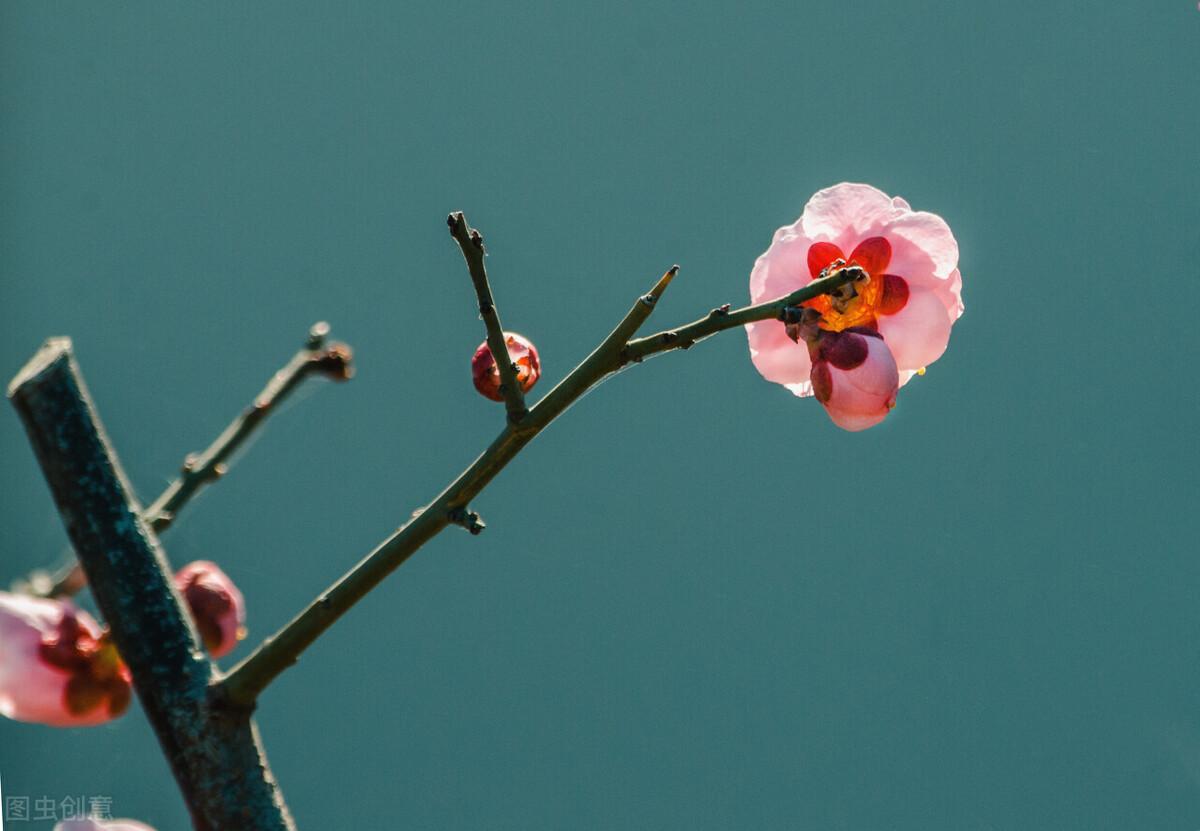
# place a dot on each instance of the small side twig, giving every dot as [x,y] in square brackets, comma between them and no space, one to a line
[318,356]
[201,469]
[471,243]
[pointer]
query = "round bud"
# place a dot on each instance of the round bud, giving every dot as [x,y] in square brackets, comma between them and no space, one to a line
[486,374]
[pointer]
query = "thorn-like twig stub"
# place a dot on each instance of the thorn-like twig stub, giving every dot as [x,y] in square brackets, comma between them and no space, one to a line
[476,239]
[454,220]
[720,311]
[467,519]
[317,335]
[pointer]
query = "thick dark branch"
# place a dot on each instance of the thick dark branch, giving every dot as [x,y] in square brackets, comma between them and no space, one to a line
[471,243]
[317,357]
[249,678]
[214,753]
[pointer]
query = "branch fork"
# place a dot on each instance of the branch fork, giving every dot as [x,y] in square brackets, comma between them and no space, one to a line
[201,717]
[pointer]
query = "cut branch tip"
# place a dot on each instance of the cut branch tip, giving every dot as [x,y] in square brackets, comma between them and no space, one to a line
[317,334]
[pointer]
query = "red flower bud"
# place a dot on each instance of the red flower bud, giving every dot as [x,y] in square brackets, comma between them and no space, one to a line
[216,604]
[486,374]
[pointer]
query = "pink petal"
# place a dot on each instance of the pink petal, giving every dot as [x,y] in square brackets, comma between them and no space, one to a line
[924,250]
[846,212]
[778,358]
[216,605]
[855,422]
[950,293]
[917,334]
[781,270]
[31,689]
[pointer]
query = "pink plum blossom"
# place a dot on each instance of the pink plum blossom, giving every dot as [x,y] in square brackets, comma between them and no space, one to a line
[102,825]
[911,296]
[216,604]
[486,374]
[57,666]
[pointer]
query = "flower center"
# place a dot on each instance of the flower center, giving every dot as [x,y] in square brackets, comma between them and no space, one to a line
[858,303]
[853,304]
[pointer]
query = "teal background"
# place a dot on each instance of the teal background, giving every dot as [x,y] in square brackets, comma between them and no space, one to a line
[698,605]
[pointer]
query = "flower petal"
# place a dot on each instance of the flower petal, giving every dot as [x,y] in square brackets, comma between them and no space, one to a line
[102,825]
[781,270]
[894,295]
[924,250]
[854,422]
[820,255]
[873,254]
[846,211]
[30,688]
[778,358]
[917,334]
[950,293]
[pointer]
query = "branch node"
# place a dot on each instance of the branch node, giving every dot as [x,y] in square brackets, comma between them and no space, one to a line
[467,519]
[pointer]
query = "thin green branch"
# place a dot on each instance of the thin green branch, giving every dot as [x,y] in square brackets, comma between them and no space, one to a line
[471,243]
[242,686]
[316,357]
[721,318]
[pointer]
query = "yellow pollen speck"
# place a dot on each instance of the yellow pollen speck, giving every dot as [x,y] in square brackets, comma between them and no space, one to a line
[921,371]
[241,633]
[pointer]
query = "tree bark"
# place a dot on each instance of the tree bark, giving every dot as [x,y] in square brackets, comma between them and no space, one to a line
[213,748]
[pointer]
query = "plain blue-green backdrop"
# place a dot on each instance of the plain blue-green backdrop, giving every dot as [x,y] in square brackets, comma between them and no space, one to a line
[698,605]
